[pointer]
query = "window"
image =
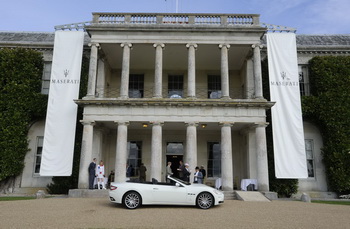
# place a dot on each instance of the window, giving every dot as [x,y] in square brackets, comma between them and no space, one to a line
[214,87]
[39,150]
[135,156]
[136,84]
[214,159]
[175,148]
[45,82]
[175,86]
[304,80]
[309,148]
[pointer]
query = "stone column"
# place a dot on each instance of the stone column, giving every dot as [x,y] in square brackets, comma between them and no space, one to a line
[92,70]
[261,153]
[191,89]
[156,149]
[224,71]
[249,80]
[122,152]
[191,147]
[101,79]
[226,157]
[124,85]
[257,72]
[158,74]
[86,153]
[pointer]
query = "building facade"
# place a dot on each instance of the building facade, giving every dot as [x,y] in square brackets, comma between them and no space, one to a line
[178,87]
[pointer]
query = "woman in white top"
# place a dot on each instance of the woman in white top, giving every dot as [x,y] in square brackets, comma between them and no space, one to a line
[100,173]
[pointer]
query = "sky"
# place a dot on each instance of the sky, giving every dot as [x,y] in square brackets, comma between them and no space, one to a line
[307,16]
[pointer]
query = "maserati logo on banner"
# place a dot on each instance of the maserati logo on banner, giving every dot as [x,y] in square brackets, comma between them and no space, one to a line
[66,72]
[283,75]
[287,123]
[59,136]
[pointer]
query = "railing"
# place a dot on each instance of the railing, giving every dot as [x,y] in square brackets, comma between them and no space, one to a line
[278,28]
[73,26]
[201,93]
[176,19]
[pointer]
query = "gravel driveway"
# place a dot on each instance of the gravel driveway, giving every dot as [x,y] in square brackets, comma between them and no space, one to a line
[100,213]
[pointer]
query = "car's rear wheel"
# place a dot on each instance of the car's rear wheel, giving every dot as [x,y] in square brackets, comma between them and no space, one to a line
[132,200]
[205,200]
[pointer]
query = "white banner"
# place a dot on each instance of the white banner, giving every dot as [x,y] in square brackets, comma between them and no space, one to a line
[58,148]
[287,123]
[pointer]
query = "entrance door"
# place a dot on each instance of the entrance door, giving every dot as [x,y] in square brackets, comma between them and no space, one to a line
[175,163]
[174,154]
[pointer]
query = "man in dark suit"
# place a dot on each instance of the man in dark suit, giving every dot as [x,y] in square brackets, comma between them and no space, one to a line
[142,172]
[186,173]
[180,170]
[92,173]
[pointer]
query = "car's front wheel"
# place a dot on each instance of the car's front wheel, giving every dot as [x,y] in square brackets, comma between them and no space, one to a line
[205,200]
[132,200]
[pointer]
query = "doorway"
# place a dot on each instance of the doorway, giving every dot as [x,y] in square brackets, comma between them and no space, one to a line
[174,154]
[175,163]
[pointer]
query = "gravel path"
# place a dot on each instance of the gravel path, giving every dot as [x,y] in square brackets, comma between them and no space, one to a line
[100,213]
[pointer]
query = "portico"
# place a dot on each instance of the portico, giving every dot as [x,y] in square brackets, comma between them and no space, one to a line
[174,74]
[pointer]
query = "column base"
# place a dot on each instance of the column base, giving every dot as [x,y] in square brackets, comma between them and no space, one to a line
[87,97]
[191,97]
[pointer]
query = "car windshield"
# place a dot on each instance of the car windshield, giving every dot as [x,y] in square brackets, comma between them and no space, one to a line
[180,181]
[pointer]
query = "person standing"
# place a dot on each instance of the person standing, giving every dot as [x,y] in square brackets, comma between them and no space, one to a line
[143,170]
[169,172]
[180,170]
[186,172]
[100,172]
[204,173]
[129,170]
[110,178]
[198,176]
[92,173]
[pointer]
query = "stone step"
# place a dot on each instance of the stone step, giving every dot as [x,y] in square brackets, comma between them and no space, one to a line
[88,193]
[229,195]
[251,196]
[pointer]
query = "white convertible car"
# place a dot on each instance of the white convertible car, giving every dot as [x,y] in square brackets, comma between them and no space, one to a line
[133,194]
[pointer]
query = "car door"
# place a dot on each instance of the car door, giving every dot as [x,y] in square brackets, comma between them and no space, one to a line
[170,194]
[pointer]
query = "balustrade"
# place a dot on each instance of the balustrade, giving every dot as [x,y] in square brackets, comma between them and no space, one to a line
[174,19]
[201,93]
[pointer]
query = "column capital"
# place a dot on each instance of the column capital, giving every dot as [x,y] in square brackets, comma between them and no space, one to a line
[94,44]
[159,44]
[87,122]
[224,45]
[122,123]
[257,46]
[191,44]
[195,124]
[260,124]
[126,45]
[156,123]
[226,124]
